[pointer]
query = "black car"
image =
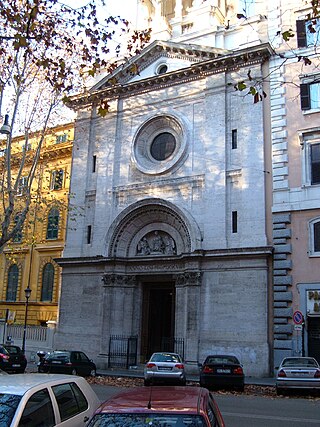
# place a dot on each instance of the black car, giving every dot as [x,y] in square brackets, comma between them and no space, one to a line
[222,371]
[12,359]
[67,362]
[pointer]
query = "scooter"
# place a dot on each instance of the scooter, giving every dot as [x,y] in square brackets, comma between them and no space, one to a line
[41,354]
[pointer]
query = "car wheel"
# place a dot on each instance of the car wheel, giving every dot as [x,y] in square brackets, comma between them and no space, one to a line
[183,382]
[146,383]
[93,373]
[241,388]
[74,372]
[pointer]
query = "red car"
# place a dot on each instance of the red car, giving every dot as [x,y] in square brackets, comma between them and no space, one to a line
[170,406]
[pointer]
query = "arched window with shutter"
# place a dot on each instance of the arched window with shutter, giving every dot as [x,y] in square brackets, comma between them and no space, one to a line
[47,282]
[13,279]
[53,224]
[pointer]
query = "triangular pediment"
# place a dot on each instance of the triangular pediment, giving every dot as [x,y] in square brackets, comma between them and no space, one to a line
[158,58]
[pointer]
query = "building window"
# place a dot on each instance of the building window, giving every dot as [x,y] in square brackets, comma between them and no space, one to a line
[160,145]
[310,144]
[314,237]
[56,180]
[234,141]
[89,233]
[13,278]
[162,69]
[315,163]
[234,222]
[308,32]
[22,185]
[47,282]
[310,96]
[163,146]
[18,236]
[61,138]
[53,224]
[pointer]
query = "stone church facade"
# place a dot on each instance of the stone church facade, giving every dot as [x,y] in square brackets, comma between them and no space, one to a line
[172,242]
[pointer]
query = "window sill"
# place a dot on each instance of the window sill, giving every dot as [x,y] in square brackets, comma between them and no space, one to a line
[311,111]
[314,255]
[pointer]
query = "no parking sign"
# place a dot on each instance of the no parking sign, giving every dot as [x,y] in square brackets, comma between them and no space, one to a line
[298,317]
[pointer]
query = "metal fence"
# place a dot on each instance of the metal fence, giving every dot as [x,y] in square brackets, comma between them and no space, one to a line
[122,351]
[173,345]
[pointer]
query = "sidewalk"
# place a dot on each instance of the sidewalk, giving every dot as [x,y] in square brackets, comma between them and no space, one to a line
[137,372]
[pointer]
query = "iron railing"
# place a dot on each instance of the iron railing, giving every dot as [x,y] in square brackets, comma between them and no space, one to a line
[122,351]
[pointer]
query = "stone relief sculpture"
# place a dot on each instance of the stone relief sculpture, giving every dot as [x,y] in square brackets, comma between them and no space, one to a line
[143,247]
[156,243]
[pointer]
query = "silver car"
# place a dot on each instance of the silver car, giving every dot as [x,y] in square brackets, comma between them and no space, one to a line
[164,367]
[298,373]
[46,400]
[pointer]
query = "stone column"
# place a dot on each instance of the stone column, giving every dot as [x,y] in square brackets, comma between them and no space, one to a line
[188,287]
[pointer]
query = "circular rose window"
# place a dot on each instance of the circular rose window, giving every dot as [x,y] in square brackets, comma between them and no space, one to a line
[163,146]
[159,145]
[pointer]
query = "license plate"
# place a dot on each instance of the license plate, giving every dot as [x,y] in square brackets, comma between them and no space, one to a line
[164,368]
[57,362]
[16,366]
[223,371]
[301,374]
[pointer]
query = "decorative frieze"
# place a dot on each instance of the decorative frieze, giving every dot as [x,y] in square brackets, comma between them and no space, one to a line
[119,280]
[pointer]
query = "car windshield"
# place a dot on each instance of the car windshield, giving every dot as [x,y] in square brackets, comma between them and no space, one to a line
[8,407]
[58,355]
[297,361]
[215,360]
[13,350]
[143,420]
[159,357]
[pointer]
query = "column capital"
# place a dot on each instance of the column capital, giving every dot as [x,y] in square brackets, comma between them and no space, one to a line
[192,278]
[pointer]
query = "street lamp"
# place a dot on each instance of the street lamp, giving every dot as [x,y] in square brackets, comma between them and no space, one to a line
[27,292]
[6,128]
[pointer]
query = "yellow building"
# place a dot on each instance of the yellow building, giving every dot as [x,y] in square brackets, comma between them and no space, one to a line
[28,261]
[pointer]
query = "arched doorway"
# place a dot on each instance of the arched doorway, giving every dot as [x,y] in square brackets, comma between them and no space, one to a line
[158,318]
[151,241]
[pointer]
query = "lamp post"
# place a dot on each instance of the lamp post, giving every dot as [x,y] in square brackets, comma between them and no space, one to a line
[27,292]
[5,128]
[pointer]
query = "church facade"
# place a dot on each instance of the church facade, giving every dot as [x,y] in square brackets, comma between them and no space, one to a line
[173,243]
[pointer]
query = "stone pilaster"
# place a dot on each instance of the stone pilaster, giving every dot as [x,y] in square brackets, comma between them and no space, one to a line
[282,282]
[188,286]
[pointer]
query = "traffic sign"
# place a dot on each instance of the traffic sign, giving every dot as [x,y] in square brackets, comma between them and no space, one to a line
[298,317]
[298,327]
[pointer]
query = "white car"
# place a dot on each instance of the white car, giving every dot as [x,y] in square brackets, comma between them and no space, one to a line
[46,400]
[298,373]
[164,367]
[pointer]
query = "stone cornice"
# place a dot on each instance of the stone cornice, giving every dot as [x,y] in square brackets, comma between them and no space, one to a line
[219,64]
[136,262]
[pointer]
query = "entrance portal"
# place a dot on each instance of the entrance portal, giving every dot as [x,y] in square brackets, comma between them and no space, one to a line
[314,337]
[158,318]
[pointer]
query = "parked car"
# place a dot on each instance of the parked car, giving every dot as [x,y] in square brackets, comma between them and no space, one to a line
[67,362]
[222,371]
[298,373]
[159,406]
[12,359]
[46,400]
[164,367]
